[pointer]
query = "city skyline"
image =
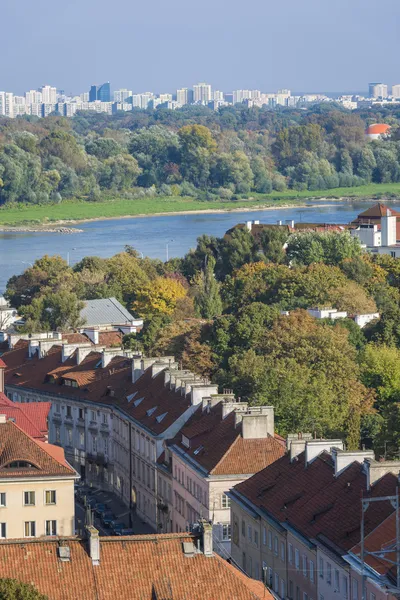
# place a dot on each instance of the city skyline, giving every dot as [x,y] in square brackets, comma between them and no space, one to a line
[307,46]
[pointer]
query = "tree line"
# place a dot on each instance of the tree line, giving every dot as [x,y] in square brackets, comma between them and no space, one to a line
[225,154]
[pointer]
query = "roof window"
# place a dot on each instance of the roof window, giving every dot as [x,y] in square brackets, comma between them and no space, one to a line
[151,411]
[198,450]
[161,417]
[138,401]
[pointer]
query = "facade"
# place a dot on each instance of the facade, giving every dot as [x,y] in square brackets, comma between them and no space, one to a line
[49,95]
[100,92]
[396,92]
[378,90]
[36,486]
[296,524]
[202,93]
[122,95]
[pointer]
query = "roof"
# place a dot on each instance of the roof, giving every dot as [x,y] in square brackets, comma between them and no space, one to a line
[218,446]
[151,567]
[2,364]
[105,311]
[377,129]
[158,408]
[17,445]
[31,417]
[316,502]
[381,538]
[378,211]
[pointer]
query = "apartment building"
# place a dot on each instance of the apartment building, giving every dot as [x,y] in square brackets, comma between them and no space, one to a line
[221,445]
[36,486]
[296,522]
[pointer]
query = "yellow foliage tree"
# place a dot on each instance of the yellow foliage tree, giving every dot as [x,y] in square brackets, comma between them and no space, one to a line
[159,297]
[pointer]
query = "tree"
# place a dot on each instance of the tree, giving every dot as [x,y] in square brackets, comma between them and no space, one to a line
[52,312]
[330,248]
[207,299]
[11,589]
[159,297]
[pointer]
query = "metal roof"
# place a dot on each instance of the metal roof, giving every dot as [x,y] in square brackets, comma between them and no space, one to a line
[105,311]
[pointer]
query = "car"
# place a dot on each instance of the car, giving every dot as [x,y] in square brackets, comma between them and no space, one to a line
[99,508]
[117,526]
[90,501]
[107,518]
[125,531]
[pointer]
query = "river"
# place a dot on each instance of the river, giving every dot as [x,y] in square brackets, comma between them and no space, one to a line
[153,236]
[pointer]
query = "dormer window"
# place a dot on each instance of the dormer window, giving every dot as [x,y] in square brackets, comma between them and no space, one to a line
[151,411]
[185,441]
[20,464]
[161,417]
[138,401]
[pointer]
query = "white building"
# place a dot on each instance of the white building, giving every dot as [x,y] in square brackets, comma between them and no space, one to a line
[378,90]
[33,97]
[184,96]
[396,92]
[202,93]
[122,94]
[7,104]
[49,94]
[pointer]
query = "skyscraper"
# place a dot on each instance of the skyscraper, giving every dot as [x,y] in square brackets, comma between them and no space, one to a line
[184,96]
[202,93]
[49,94]
[378,90]
[100,92]
[396,91]
[7,104]
[122,95]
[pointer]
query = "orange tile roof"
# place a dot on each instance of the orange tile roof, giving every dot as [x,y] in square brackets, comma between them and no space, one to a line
[377,211]
[223,449]
[31,417]
[316,502]
[17,445]
[152,567]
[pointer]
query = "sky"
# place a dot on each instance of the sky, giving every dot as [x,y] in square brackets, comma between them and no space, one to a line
[161,45]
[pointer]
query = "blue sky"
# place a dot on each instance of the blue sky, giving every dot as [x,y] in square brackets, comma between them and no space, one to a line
[155,45]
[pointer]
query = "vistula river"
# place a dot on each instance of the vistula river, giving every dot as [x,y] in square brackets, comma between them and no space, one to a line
[153,236]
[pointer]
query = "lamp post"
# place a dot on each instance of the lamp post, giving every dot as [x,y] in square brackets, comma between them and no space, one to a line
[167,247]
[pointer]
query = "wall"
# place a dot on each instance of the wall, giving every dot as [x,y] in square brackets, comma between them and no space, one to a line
[332,576]
[14,514]
[302,576]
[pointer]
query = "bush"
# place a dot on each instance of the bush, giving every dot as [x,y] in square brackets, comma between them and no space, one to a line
[225,193]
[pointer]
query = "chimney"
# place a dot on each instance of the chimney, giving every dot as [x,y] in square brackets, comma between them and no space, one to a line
[315,447]
[342,458]
[2,371]
[249,225]
[136,368]
[3,418]
[388,229]
[258,422]
[376,470]
[67,351]
[206,531]
[106,358]
[82,353]
[93,544]
[92,333]
[256,222]
[157,367]
[200,390]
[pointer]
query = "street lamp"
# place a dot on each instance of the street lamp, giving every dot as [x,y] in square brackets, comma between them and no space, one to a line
[167,246]
[68,255]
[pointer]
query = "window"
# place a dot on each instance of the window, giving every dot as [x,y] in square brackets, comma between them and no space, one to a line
[105,420]
[270,540]
[30,529]
[264,536]
[29,498]
[345,587]
[256,538]
[226,531]
[328,573]
[355,589]
[81,413]
[3,530]
[69,437]
[304,565]
[94,443]
[297,559]
[283,588]
[69,411]
[82,439]
[337,581]
[249,533]
[106,446]
[257,571]
[93,415]
[305,596]
[58,438]
[290,554]
[321,568]
[276,546]
[283,551]
[276,583]
[51,527]
[244,561]
[225,501]
[312,571]
[373,597]
[3,499]
[393,254]
[50,497]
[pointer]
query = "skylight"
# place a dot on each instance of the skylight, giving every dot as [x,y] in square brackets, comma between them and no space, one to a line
[160,417]
[199,449]
[151,410]
[138,401]
[131,396]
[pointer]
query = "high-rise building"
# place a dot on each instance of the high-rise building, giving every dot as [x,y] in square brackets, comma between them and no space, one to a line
[33,97]
[218,96]
[100,92]
[240,95]
[7,104]
[202,93]
[49,94]
[378,90]
[184,96]
[396,91]
[122,95]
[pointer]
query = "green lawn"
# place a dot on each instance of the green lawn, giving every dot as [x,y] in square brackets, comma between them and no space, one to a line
[112,208]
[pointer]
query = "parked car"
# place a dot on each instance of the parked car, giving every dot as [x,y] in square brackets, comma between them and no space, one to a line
[107,518]
[117,526]
[99,508]
[125,531]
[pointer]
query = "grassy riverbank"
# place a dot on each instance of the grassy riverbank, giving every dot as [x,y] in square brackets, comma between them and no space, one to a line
[112,208]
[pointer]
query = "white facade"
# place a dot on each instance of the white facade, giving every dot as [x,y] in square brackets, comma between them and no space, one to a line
[396,92]
[202,93]
[7,104]
[122,95]
[49,94]
[368,234]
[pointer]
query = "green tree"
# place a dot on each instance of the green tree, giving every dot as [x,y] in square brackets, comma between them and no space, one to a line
[11,589]
[208,299]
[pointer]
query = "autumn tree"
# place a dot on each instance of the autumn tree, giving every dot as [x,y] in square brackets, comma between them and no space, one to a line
[11,589]
[159,297]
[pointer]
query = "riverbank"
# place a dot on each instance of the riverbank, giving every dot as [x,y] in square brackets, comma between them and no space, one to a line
[47,217]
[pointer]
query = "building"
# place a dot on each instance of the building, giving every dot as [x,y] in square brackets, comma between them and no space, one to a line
[184,96]
[49,94]
[145,567]
[100,92]
[8,315]
[202,93]
[377,131]
[396,92]
[6,104]
[108,313]
[378,90]
[297,520]
[33,97]
[122,95]
[223,443]
[378,228]
[37,486]
[332,313]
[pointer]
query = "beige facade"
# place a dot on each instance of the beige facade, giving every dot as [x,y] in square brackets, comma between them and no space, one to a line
[36,507]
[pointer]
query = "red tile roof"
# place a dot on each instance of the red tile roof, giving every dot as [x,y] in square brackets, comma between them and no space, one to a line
[152,567]
[31,417]
[223,451]
[16,445]
[2,364]
[381,538]
[316,502]
[377,211]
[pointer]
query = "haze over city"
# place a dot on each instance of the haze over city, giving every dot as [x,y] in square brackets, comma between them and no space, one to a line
[315,45]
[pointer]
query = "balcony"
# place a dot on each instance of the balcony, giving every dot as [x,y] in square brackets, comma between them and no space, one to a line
[93,426]
[57,418]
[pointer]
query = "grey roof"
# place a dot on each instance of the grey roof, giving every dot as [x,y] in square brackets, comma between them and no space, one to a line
[105,311]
